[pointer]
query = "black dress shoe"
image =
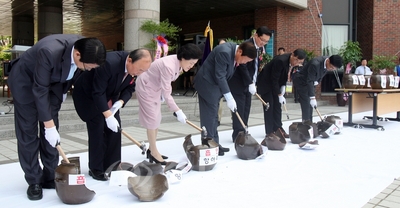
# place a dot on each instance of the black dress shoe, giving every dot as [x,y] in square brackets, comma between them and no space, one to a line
[221,153]
[49,185]
[224,149]
[98,175]
[35,192]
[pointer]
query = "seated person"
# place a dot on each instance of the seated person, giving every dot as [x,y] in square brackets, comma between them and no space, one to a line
[363,68]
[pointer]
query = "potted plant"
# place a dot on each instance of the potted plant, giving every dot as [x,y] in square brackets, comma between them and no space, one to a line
[382,68]
[164,35]
[351,54]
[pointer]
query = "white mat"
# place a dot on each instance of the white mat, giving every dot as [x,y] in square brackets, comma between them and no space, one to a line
[346,170]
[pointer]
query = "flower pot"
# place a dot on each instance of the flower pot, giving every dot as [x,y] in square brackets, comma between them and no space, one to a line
[341,98]
[350,81]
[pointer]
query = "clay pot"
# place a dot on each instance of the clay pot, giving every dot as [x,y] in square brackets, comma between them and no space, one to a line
[70,194]
[275,143]
[299,132]
[376,81]
[349,81]
[247,148]
[74,160]
[148,188]
[203,157]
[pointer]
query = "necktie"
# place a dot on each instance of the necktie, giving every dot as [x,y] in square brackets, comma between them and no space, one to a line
[289,73]
[365,70]
[123,79]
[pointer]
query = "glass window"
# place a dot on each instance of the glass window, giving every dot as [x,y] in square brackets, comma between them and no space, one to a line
[333,37]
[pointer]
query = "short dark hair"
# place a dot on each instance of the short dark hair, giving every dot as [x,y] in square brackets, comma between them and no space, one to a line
[138,54]
[363,59]
[281,48]
[189,51]
[92,50]
[263,30]
[336,61]
[248,49]
[300,53]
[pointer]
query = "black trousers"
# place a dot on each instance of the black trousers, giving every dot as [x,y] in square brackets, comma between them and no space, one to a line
[30,145]
[243,104]
[304,100]
[273,116]
[209,116]
[104,144]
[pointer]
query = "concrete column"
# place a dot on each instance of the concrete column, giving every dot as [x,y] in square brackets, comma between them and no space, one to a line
[23,32]
[136,11]
[50,18]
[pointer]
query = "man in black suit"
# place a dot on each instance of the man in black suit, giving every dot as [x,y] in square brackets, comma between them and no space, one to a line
[211,83]
[271,84]
[308,77]
[242,83]
[98,96]
[39,80]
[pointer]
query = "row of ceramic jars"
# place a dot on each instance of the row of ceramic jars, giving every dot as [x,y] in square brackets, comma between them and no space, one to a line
[356,81]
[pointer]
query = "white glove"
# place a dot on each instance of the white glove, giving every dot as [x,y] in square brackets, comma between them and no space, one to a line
[313,102]
[112,123]
[282,99]
[230,102]
[315,83]
[64,96]
[181,116]
[52,136]
[283,89]
[116,106]
[252,89]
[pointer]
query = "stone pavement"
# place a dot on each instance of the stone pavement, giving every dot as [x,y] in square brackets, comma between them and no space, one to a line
[76,142]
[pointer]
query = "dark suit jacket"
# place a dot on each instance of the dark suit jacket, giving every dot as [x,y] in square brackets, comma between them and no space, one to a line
[211,80]
[243,75]
[314,70]
[274,75]
[95,88]
[41,69]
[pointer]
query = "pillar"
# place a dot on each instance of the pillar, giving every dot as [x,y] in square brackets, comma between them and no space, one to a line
[22,23]
[50,18]
[137,11]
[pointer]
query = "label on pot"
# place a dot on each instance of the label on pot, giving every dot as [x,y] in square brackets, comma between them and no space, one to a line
[208,156]
[174,176]
[339,123]
[311,132]
[332,129]
[391,80]
[361,79]
[396,81]
[369,82]
[383,81]
[355,79]
[76,179]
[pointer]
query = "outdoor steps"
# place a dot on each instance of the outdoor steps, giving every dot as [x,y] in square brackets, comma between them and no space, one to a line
[70,121]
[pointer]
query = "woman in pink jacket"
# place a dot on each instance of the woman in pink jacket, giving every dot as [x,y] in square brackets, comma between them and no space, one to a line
[154,86]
